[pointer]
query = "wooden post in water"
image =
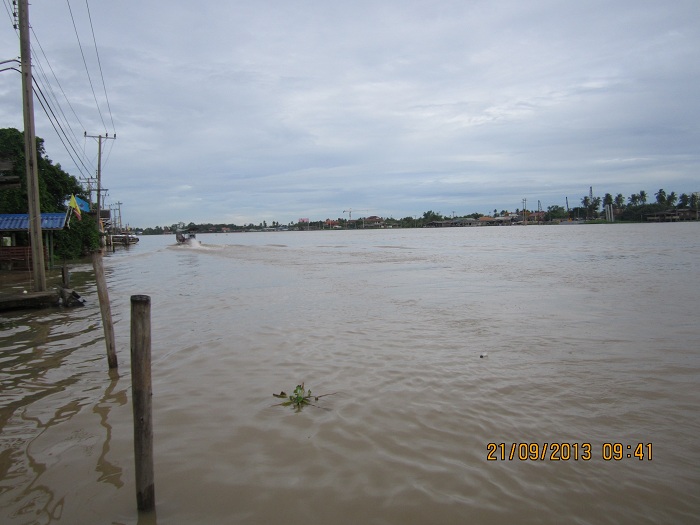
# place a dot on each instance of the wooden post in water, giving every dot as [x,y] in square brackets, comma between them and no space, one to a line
[65,276]
[142,393]
[105,309]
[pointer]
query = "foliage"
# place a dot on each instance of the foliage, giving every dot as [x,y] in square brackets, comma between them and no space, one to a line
[55,188]
[430,216]
[299,398]
[55,185]
[635,210]
[79,239]
[555,212]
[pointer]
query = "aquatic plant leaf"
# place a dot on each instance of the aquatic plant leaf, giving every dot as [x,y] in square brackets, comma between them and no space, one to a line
[299,398]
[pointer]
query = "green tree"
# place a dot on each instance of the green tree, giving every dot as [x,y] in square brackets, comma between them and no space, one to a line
[661,196]
[78,239]
[55,185]
[694,200]
[55,188]
[586,202]
[643,197]
[619,200]
[555,212]
[683,200]
[592,205]
[430,216]
[671,199]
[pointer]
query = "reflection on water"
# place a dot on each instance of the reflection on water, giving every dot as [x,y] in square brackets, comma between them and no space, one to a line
[46,383]
[588,330]
[110,473]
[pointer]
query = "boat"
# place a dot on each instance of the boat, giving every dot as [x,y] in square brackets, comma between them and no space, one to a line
[185,236]
[124,238]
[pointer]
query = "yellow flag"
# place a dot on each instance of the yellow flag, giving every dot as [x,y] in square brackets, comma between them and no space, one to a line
[76,209]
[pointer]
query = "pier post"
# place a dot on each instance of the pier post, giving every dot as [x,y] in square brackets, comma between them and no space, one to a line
[105,309]
[142,393]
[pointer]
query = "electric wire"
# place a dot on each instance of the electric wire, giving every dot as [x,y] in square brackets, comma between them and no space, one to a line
[54,122]
[87,70]
[49,102]
[99,64]
[58,83]
[48,86]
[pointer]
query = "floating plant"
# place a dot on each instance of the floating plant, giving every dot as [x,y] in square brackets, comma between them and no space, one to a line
[299,398]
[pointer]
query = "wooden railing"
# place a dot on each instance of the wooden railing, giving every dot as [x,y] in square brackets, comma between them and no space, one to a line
[18,256]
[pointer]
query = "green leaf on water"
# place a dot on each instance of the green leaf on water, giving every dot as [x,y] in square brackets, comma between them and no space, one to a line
[299,398]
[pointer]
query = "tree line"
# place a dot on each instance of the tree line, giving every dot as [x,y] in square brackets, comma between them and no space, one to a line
[631,209]
[55,188]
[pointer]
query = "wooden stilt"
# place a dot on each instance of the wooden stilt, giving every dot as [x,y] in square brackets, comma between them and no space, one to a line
[105,309]
[142,393]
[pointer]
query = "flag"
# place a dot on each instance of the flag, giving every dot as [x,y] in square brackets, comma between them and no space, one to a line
[76,209]
[83,205]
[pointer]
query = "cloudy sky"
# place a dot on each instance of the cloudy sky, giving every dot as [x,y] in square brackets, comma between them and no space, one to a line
[238,112]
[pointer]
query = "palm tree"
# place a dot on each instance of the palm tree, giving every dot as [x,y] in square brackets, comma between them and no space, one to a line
[661,196]
[671,199]
[694,200]
[634,199]
[643,197]
[619,201]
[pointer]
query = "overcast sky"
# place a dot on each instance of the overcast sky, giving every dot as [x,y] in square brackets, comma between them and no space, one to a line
[240,112]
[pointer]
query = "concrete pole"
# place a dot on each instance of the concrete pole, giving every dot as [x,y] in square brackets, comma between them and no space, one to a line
[99,189]
[30,152]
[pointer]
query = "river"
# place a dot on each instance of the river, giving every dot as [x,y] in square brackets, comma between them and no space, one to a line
[434,343]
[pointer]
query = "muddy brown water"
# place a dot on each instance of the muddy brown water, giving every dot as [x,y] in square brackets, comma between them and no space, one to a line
[590,343]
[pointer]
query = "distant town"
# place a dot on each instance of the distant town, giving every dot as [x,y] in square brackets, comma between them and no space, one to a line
[666,207]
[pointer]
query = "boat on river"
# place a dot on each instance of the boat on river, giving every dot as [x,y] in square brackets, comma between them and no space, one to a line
[124,238]
[185,236]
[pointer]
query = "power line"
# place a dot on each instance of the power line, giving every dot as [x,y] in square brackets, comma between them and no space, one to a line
[75,27]
[54,122]
[52,107]
[48,87]
[48,62]
[12,13]
[99,64]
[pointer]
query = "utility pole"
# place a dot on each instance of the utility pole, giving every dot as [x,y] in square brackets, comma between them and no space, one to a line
[118,219]
[89,182]
[100,138]
[30,152]
[102,292]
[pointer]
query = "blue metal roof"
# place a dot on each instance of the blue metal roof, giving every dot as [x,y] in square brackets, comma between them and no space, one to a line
[15,222]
